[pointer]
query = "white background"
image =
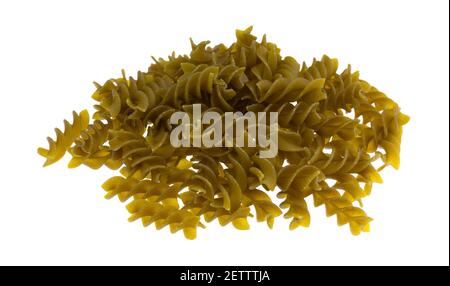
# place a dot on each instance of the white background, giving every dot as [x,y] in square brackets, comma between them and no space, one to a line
[51,51]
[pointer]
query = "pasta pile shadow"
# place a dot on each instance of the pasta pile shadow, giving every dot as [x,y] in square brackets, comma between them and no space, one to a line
[333,130]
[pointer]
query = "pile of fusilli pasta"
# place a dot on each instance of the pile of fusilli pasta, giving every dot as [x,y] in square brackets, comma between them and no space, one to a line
[332,128]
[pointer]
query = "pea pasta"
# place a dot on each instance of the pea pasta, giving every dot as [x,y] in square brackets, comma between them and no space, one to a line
[332,129]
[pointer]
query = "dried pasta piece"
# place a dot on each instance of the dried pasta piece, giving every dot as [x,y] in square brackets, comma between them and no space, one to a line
[65,139]
[333,129]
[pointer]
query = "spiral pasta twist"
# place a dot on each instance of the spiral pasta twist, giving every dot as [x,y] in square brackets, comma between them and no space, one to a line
[89,148]
[64,139]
